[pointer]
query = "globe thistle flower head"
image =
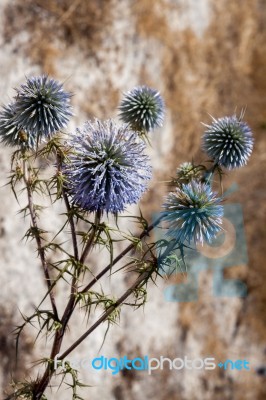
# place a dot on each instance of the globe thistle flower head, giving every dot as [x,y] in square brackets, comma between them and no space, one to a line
[194,213]
[142,108]
[186,172]
[228,141]
[108,168]
[185,168]
[42,107]
[10,133]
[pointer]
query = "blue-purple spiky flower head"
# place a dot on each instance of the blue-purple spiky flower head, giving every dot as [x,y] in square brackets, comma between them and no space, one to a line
[228,141]
[142,108]
[194,213]
[41,108]
[107,169]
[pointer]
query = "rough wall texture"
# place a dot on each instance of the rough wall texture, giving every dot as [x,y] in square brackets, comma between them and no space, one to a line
[204,56]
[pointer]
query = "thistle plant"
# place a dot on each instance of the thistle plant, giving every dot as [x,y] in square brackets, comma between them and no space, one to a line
[99,171]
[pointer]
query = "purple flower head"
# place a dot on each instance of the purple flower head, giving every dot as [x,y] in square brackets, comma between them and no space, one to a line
[107,169]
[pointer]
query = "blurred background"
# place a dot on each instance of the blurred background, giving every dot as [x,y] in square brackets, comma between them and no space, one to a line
[205,57]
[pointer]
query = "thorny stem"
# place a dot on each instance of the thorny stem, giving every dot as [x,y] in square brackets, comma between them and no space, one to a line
[44,382]
[144,233]
[138,283]
[71,222]
[211,171]
[71,303]
[91,238]
[72,225]
[109,311]
[59,335]
[38,239]
[69,215]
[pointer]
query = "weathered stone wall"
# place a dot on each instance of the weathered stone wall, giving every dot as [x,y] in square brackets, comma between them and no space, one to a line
[206,57]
